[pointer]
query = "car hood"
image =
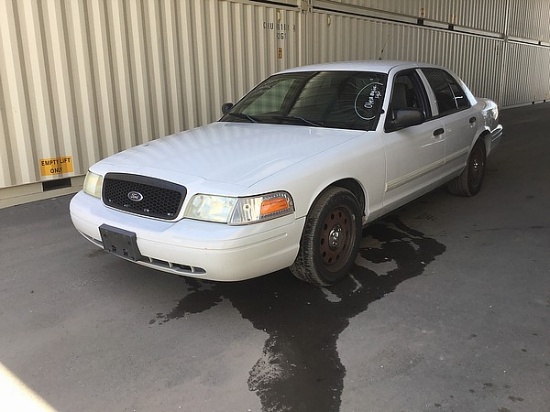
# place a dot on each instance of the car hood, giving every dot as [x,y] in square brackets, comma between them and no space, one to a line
[234,153]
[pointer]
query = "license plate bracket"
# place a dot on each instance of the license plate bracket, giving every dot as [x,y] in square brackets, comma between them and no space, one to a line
[120,242]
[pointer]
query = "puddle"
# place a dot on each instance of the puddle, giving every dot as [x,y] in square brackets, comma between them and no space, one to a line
[300,369]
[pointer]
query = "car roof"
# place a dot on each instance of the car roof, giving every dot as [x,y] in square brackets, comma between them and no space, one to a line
[382,66]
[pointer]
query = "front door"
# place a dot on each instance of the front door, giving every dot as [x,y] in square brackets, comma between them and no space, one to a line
[414,155]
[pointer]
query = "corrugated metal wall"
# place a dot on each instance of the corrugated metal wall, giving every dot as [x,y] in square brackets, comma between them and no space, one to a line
[515,89]
[82,79]
[86,79]
[478,60]
[502,50]
[529,19]
[522,19]
[489,15]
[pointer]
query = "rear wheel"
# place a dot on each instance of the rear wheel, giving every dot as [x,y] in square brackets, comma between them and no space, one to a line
[469,182]
[330,240]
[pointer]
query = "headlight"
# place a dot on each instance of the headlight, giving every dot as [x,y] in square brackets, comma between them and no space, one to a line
[93,184]
[240,211]
[210,208]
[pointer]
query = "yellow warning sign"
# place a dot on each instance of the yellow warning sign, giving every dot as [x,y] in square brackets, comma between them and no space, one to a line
[56,166]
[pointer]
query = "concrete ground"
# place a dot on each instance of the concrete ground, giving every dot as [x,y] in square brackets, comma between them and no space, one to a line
[448,309]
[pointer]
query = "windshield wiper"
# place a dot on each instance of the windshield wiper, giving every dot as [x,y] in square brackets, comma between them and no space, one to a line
[299,118]
[251,119]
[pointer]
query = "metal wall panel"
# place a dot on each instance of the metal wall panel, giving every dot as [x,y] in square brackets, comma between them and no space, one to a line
[529,19]
[515,88]
[478,60]
[408,7]
[489,16]
[82,79]
[86,79]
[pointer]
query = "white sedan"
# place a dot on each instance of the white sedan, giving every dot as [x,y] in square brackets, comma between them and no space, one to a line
[291,173]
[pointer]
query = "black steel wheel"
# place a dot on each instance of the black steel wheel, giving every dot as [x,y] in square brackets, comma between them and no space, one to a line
[330,240]
[469,182]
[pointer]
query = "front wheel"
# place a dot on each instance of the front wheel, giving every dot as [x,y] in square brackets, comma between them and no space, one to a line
[330,240]
[469,182]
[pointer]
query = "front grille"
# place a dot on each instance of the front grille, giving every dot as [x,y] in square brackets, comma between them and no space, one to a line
[143,195]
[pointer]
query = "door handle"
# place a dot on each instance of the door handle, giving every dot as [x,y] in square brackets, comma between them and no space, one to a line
[438,132]
[472,120]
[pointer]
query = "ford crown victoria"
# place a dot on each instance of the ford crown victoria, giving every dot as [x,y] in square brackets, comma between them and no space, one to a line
[291,173]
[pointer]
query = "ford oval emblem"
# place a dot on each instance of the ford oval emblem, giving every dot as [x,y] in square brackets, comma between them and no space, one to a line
[135,196]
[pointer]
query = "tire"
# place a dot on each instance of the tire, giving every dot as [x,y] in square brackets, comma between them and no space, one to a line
[330,241]
[469,182]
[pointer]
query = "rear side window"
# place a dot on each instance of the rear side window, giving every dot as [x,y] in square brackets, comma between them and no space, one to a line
[448,93]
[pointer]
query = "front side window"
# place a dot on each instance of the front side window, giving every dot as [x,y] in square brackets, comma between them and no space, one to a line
[448,93]
[335,99]
[407,93]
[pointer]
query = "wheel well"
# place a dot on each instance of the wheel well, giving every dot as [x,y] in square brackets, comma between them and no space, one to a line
[486,137]
[354,187]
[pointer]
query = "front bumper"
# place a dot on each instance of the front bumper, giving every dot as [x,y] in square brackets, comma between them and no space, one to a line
[198,249]
[496,138]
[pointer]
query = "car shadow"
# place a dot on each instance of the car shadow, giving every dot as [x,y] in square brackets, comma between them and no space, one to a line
[300,369]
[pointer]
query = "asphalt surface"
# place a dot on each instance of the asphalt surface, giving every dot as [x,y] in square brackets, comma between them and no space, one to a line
[448,309]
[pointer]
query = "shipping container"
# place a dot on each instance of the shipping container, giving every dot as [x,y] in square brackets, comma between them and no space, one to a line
[476,59]
[488,16]
[515,90]
[83,79]
[529,20]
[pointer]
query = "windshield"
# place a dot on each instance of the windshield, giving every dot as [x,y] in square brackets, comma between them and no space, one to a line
[336,99]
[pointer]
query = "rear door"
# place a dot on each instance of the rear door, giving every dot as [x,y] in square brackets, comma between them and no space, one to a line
[458,117]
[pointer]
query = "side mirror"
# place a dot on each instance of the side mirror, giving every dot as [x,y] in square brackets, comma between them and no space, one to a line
[226,107]
[405,118]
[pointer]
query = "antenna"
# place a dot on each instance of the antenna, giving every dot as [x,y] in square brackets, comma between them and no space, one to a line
[383,47]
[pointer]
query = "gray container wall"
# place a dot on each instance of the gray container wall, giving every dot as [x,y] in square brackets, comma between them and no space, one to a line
[511,70]
[527,78]
[530,20]
[489,15]
[478,60]
[82,79]
[85,79]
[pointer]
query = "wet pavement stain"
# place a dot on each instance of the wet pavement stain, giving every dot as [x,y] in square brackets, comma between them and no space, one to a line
[300,369]
[96,253]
